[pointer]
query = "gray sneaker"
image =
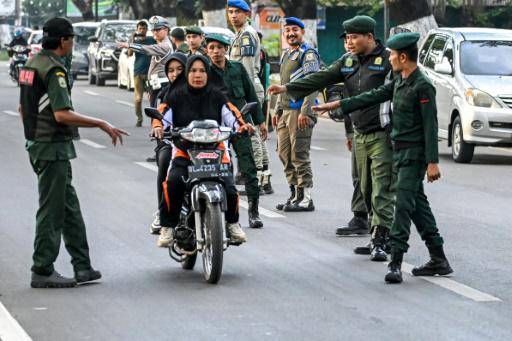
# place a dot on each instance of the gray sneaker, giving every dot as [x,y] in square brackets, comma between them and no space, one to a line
[55,280]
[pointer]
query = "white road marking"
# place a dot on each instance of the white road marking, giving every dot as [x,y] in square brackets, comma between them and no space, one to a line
[454,286]
[263,211]
[10,329]
[92,93]
[125,103]
[317,148]
[148,165]
[12,113]
[243,203]
[92,144]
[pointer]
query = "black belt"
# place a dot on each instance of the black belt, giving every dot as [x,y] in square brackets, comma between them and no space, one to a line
[399,145]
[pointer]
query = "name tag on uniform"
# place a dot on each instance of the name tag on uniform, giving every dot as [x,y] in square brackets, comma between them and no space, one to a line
[376,68]
[347,69]
[26,77]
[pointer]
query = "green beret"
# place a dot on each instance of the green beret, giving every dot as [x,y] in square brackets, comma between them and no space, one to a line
[359,24]
[194,30]
[402,41]
[217,37]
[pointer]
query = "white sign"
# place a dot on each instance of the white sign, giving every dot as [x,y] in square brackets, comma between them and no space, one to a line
[7,7]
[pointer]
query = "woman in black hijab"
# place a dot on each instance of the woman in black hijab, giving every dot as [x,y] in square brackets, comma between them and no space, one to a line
[175,71]
[197,101]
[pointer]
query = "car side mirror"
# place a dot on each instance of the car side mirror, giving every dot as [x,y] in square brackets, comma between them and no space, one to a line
[93,39]
[445,68]
[153,113]
[250,108]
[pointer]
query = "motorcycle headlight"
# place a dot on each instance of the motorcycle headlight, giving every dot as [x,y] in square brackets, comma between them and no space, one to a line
[198,135]
[482,99]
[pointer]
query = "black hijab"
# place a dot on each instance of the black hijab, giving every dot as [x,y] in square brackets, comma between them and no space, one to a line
[189,104]
[179,81]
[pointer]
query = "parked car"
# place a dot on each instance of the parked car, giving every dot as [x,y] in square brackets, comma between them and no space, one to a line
[102,51]
[472,73]
[83,30]
[35,42]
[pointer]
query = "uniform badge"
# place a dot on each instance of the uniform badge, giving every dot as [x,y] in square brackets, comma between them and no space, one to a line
[310,57]
[378,61]
[62,83]
[349,62]
[246,41]
[26,77]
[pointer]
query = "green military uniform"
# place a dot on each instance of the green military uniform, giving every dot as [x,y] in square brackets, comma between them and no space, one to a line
[414,136]
[183,48]
[245,49]
[45,89]
[372,149]
[195,30]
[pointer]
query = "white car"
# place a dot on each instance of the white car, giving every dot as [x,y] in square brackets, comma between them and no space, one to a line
[35,42]
[472,72]
[126,64]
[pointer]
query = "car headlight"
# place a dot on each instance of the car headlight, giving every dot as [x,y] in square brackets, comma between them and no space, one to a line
[198,135]
[482,99]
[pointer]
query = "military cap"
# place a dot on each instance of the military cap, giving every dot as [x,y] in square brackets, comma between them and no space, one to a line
[194,30]
[359,24]
[402,41]
[157,22]
[178,33]
[217,37]
[291,21]
[239,4]
[58,28]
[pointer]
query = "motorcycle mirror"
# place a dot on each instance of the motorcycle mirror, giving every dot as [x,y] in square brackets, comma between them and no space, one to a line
[153,113]
[251,108]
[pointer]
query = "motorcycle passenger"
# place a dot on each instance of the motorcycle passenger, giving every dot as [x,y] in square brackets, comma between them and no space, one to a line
[197,101]
[174,70]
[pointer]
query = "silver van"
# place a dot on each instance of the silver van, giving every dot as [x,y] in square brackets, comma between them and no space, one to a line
[471,69]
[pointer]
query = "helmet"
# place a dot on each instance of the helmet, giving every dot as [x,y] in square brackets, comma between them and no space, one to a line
[17,33]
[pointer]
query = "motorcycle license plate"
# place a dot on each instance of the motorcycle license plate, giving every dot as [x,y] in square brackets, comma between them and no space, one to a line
[209,171]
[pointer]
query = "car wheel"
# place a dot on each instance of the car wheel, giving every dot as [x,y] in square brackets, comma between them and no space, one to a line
[462,152]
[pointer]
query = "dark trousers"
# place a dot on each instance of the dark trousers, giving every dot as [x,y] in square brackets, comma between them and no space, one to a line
[58,216]
[412,205]
[153,96]
[174,192]
[163,160]
[247,166]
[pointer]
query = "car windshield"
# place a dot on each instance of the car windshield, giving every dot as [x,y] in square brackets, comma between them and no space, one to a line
[120,32]
[82,33]
[36,38]
[490,58]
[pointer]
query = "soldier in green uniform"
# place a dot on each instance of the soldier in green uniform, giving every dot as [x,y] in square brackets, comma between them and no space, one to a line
[178,40]
[232,78]
[365,67]
[245,49]
[295,120]
[195,40]
[414,135]
[47,113]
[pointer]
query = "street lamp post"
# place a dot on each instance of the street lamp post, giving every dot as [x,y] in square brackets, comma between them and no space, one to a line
[96,16]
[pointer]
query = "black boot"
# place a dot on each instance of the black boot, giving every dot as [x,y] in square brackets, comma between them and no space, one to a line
[379,241]
[289,200]
[303,201]
[254,216]
[357,225]
[364,250]
[437,265]
[87,275]
[394,274]
[299,196]
[55,280]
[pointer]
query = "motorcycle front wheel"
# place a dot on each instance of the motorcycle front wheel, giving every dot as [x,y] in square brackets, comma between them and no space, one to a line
[213,242]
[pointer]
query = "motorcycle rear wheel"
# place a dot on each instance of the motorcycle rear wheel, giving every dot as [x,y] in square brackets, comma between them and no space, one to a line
[213,242]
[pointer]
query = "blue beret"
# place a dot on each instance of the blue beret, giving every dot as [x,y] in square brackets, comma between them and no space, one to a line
[294,21]
[239,4]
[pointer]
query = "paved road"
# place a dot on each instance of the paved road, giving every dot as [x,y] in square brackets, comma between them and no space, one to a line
[293,280]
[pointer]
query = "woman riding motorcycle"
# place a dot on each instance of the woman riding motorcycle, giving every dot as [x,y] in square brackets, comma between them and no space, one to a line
[197,101]
[174,70]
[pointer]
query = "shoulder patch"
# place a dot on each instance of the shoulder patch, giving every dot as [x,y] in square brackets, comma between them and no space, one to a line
[62,82]
[311,62]
[26,77]
[247,45]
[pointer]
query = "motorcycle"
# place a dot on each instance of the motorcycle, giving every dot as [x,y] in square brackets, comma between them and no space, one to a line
[19,59]
[202,226]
